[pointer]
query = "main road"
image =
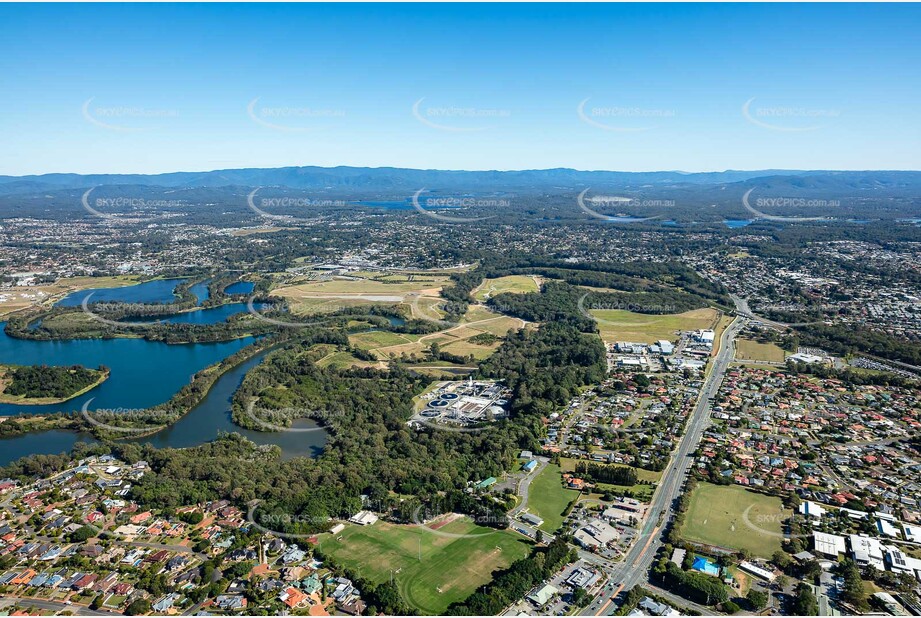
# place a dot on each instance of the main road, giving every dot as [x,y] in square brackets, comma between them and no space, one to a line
[633,570]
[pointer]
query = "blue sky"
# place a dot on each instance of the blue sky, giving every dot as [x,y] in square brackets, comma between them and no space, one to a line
[157,88]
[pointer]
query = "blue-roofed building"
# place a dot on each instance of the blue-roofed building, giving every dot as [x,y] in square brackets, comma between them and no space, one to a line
[530,465]
[705,566]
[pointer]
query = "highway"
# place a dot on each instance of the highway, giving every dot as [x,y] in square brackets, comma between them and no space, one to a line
[635,566]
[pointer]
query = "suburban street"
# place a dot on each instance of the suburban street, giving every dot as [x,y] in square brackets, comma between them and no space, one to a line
[53,606]
[635,566]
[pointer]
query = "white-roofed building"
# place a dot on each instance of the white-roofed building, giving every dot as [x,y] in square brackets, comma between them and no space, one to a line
[757,571]
[867,550]
[596,534]
[540,597]
[812,510]
[363,518]
[657,609]
[886,528]
[831,545]
[897,560]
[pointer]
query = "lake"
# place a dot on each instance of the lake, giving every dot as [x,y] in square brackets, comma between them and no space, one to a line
[200,290]
[213,415]
[240,287]
[737,223]
[202,424]
[156,291]
[212,315]
[144,373]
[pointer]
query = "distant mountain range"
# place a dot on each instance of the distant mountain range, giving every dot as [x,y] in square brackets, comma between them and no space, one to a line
[406,181]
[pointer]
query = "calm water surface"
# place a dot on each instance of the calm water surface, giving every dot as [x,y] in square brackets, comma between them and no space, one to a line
[146,373]
[157,291]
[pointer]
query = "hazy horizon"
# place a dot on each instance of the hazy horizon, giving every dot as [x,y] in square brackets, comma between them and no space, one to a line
[436,169]
[160,88]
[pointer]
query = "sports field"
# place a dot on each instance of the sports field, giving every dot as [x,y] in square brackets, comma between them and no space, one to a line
[619,325]
[746,349]
[518,284]
[547,498]
[731,516]
[431,570]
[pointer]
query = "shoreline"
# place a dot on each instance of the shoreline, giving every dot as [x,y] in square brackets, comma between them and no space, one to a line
[205,393]
[46,401]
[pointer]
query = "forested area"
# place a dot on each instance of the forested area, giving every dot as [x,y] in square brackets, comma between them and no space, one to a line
[651,287]
[600,473]
[37,381]
[561,302]
[698,587]
[546,367]
[850,339]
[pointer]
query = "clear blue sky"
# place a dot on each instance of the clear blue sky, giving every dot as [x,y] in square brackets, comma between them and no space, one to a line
[155,88]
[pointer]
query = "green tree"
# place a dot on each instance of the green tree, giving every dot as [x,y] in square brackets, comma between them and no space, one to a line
[805,603]
[757,599]
[138,607]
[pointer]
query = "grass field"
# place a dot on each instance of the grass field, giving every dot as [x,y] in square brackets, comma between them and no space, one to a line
[547,498]
[568,464]
[640,492]
[721,325]
[450,568]
[717,516]
[382,286]
[518,284]
[620,325]
[746,349]
[478,320]
[259,230]
[465,348]
[343,360]
[379,339]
